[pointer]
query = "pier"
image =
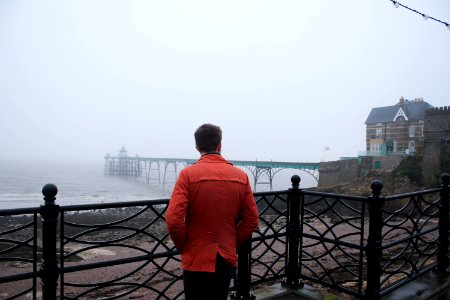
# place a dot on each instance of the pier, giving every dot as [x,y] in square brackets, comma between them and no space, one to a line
[162,170]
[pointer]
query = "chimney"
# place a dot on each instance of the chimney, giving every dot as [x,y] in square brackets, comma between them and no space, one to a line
[402,100]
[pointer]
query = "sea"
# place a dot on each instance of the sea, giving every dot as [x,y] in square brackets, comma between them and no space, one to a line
[77,182]
[21,184]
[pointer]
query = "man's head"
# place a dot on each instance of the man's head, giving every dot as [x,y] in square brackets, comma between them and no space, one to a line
[208,138]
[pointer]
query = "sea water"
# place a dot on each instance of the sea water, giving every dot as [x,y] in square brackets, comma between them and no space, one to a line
[77,182]
[85,183]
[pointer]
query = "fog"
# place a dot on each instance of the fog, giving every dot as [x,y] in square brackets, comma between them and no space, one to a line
[283,79]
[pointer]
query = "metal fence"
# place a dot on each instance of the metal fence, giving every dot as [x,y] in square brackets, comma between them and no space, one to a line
[363,246]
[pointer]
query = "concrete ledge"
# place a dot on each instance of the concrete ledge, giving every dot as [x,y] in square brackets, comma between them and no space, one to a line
[282,292]
[431,285]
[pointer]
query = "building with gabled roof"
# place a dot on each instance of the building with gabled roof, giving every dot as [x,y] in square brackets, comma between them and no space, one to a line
[392,132]
[396,129]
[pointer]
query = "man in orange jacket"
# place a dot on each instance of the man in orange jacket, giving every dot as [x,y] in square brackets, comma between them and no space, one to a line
[211,212]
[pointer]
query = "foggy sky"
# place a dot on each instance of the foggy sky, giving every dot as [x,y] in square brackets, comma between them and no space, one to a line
[284,79]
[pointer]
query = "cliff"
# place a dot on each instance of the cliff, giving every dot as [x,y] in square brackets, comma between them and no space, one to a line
[361,186]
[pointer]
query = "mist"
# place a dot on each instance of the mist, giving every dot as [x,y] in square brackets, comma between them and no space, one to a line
[284,80]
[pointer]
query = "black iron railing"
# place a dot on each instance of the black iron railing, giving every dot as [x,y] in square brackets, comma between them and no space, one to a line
[19,251]
[364,246]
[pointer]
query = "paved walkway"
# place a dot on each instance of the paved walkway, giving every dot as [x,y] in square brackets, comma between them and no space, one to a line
[428,286]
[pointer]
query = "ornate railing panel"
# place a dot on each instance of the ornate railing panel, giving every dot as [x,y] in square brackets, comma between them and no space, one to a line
[410,237]
[145,262]
[268,247]
[332,240]
[18,253]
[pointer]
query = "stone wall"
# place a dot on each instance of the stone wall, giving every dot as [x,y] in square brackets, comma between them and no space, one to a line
[388,162]
[336,172]
[345,171]
[436,142]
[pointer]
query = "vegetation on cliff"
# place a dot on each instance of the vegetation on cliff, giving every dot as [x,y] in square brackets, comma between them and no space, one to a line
[361,186]
[410,167]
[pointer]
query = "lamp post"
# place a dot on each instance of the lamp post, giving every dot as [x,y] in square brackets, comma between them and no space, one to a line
[324,151]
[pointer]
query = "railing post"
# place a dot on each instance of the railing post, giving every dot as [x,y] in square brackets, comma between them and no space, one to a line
[243,276]
[49,270]
[293,230]
[374,241]
[443,260]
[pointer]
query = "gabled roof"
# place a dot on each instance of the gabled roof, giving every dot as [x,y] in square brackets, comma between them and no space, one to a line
[414,110]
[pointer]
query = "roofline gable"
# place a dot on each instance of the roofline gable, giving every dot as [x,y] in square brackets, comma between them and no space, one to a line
[410,110]
[400,113]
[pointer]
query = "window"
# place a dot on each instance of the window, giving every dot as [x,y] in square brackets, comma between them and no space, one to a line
[374,146]
[448,124]
[412,146]
[421,124]
[412,131]
[379,133]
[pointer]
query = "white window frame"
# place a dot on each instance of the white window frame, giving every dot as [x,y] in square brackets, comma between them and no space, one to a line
[379,132]
[412,146]
[375,147]
[412,131]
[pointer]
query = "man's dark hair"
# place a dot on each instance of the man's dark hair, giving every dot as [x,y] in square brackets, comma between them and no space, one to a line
[208,137]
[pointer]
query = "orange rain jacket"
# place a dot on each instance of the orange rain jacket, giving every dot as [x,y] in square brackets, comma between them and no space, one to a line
[211,210]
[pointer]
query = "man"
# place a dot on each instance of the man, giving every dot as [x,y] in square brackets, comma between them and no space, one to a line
[211,212]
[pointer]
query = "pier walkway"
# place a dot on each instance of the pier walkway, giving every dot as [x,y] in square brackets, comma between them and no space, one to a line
[165,170]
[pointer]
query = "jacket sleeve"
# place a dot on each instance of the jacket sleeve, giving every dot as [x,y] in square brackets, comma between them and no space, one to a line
[249,217]
[176,212]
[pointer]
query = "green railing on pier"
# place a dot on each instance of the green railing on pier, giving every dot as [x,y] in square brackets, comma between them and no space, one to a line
[124,165]
[242,163]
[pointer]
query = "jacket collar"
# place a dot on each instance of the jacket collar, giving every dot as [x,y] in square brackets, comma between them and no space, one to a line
[209,153]
[212,157]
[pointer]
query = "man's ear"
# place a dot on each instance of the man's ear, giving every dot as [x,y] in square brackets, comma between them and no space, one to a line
[219,148]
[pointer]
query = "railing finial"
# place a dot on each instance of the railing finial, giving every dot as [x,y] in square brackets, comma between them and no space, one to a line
[376,186]
[445,178]
[49,191]
[295,179]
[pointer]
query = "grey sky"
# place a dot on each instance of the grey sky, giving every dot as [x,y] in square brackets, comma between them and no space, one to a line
[284,79]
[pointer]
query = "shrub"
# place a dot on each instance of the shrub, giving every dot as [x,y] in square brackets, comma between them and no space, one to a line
[411,168]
